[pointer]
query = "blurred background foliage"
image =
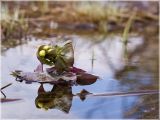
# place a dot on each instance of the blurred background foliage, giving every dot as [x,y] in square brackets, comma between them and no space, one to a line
[48,17]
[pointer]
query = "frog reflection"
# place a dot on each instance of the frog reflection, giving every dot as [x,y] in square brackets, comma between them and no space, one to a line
[60,97]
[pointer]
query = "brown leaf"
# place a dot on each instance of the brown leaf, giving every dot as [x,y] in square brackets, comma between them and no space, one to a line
[86,79]
[76,70]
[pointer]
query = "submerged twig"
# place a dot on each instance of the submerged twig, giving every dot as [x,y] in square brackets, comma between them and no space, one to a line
[5,87]
[3,94]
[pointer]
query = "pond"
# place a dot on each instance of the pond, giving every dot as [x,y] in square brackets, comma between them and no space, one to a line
[99,55]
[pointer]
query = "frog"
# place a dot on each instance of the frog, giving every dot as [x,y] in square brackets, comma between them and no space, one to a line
[61,57]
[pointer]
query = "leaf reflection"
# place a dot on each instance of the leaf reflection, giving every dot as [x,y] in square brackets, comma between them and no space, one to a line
[60,97]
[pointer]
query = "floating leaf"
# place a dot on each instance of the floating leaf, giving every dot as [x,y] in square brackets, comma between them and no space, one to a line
[81,77]
[40,77]
[34,77]
[74,74]
[86,79]
[76,70]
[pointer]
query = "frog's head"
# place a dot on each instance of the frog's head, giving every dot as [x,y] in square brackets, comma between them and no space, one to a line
[45,54]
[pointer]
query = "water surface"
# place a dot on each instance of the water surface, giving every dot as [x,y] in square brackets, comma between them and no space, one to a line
[107,62]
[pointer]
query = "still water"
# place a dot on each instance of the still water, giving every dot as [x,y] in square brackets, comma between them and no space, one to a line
[104,58]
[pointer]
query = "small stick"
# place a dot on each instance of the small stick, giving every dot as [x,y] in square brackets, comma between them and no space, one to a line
[6,86]
[3,94]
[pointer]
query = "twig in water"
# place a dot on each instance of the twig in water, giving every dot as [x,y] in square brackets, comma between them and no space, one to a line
[5,87]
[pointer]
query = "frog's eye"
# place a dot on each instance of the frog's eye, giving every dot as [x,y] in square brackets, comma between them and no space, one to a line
[49,50]
[42,53]
[46,47]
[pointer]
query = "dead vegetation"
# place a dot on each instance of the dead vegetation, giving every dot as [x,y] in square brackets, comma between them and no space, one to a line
[22,18]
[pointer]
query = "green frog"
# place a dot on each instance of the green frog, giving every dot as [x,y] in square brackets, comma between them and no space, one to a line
[61,57]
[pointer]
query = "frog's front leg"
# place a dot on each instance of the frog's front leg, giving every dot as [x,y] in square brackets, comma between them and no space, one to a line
[19,79]
[39,68]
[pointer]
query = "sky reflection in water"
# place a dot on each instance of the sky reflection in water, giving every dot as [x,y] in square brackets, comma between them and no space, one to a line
[108,59]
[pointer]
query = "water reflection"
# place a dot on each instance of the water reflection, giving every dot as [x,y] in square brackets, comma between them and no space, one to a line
[142,73]
[108,58]
[60,97]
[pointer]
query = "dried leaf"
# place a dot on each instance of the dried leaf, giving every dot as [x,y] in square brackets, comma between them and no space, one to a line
[75,74]
[34,77]
[86,79]
[76,70]
[30,77]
